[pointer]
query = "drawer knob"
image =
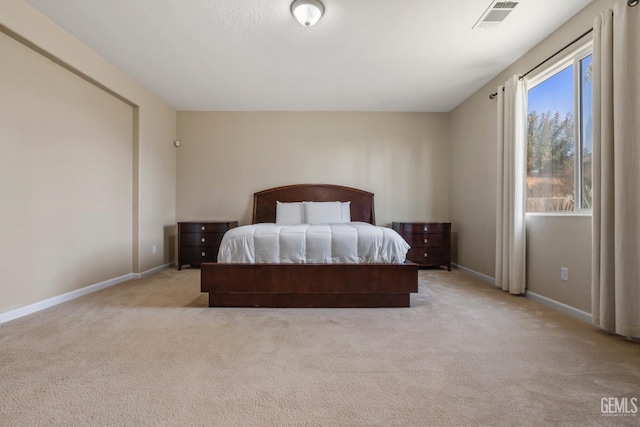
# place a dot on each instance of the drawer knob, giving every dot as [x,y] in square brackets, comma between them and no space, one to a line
[203,240]
[426,228]
[426,240]
[203,228]
[426,255]
[204,254]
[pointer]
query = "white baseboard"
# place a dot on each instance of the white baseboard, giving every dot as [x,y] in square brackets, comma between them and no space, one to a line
[564,308]
[50,302]
[152,271]
[474,273]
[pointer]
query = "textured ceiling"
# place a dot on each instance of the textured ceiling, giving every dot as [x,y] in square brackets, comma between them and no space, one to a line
[363,55]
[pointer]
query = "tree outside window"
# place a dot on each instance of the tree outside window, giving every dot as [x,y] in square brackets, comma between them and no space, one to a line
[559,136]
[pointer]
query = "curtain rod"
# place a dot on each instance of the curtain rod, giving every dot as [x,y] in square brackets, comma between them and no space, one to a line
[577,39]
[493,95]
[630,3]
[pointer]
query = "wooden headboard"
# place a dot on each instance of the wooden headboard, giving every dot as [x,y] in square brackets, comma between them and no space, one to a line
[264,202]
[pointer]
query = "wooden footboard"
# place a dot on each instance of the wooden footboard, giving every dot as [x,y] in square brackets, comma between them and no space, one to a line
[309,285]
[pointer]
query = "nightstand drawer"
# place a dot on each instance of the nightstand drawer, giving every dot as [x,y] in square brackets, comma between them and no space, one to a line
[195,256]
[437,227]
[207,227]
[419,227]
[201,239]
[426,240]
[428,256]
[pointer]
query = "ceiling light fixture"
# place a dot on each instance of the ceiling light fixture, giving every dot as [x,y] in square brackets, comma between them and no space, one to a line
[307,12]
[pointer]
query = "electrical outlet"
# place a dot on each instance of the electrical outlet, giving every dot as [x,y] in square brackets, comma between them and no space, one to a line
[154,249]
[564,273]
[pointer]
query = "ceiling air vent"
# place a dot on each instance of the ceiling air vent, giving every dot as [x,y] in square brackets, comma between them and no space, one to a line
[495,14]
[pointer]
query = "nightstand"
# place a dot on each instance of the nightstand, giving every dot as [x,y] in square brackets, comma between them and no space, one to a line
[199,241]
[430,242]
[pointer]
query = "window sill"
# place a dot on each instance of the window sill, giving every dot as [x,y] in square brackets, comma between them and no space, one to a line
[564,214]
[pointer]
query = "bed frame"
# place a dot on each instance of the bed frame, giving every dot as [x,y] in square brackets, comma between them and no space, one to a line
[310,285]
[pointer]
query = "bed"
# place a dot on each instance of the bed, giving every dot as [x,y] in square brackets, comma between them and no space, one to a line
[310,284]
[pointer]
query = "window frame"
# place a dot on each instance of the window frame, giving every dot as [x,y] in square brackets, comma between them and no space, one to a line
[572,57]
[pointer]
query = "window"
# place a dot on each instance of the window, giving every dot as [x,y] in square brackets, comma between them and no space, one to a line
[559,136]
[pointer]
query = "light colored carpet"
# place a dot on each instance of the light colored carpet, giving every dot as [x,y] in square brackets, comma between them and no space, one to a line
[150,352]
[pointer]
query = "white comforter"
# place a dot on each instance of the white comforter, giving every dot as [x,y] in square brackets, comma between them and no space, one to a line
[350,243]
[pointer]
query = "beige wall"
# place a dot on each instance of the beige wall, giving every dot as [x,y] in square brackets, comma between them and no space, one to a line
[553,242]
[226,157]
[90,179]
[473,183]
[63,138]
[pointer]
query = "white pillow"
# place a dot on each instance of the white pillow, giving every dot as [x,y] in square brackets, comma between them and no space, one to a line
[346,211]
[289,213]
[323,212]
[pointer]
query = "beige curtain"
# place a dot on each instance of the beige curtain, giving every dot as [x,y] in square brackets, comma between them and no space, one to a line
[510,219]
[616,164]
